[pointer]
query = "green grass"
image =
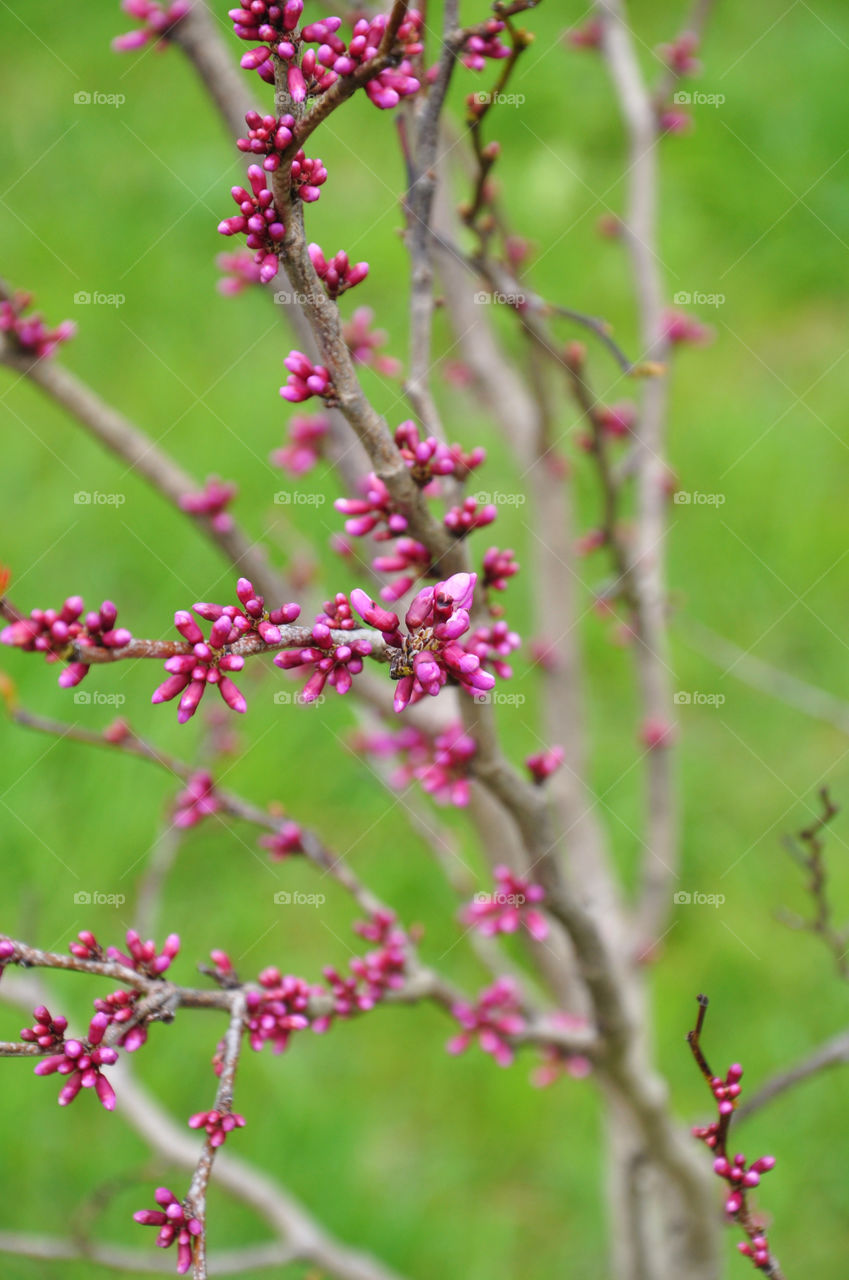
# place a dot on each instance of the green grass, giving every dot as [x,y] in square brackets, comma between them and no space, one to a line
[442,1166]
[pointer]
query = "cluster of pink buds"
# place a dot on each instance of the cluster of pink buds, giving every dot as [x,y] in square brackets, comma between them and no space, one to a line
[46,1031]
[498,566]
[231,622]
[306,379]
[276,1011]
[240,272]
[175,1223]
[740,1178]
[54,632]
[682,330]
[144,957]
[430,458]
[217,1124]
[363,343]
[557,1062]
[198,800]
[617,420]
[86,947]
[382,969]
[7,953]
[680,54]
[258,221]
[303,449]
[308,177]
[189,674]
[408,558]
[440,764]
[275,27]
[332,663]
[545,763]
[429,654]
[392,84]
[508,907]
[374,513]
[268,137]
[29,333]
[484,44]
[492,645]
[495,1017]
[288,839]
[461,520]
[120,1007]
[339,274]
[212,501]
[158,23]
[81,1062]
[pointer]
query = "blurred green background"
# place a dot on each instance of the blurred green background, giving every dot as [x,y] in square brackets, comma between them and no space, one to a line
[442,1166]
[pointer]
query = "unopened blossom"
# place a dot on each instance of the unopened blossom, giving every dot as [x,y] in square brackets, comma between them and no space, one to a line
[493,645]
[272,26]
[587,36]
[617,419]
[558,1062]
[283,842]
[441,764]
[483,45]
[212,501]
[508,908]
[374,513]
[338,274]
[430,458]
[491,1022]
[57,632]
[231,622]
[198,800]
[267,136]
[158,23]
[758,1250]
[217,1124]
[46,1031]
[303,448]
[363,343]
[656,732]
[7,953]
[175,1223]
[86,947]
[498,567]
[429,654]
[305,379]
[469,515]
[381,970]
[275,1012]
[205,664]
[680,54]
[120,1008]
[240,272]
[545,763]
[308,177]
[144,956]
[29,334]
[408,558]
[740,1177]
[258,221]
[81,1061]
[332,664]
[395,82]
[592,540]
[674,120]
[680,329]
